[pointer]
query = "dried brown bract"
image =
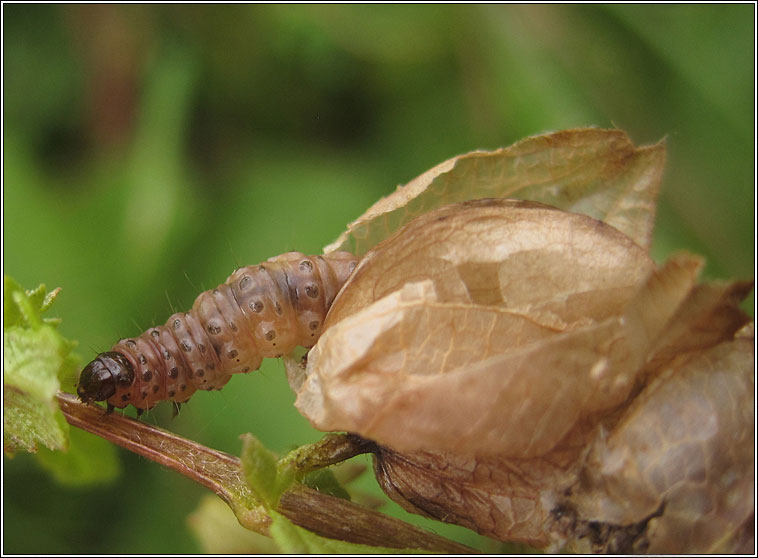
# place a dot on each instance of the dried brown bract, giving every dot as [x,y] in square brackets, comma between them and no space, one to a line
[528,371]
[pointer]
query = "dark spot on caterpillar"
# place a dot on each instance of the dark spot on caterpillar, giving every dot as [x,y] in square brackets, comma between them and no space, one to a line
[311,290]
[249,306]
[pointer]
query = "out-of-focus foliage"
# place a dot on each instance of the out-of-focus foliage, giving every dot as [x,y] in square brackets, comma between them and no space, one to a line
[35,356]
[149,150]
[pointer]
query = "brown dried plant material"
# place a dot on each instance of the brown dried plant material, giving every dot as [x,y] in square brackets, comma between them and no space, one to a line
[509,499]
[686,443]
[536,349]
[596,172]
[490,348]
[505,253]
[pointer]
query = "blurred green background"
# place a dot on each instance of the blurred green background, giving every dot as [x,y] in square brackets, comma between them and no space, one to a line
[149,150]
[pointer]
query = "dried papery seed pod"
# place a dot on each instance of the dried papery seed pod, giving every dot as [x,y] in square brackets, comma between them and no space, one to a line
[599,173]
[260,311]
[496,351]
[505,253]
[487,345]
[684,446]
[462,300]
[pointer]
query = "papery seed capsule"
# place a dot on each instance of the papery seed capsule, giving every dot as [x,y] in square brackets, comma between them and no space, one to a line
[261,311]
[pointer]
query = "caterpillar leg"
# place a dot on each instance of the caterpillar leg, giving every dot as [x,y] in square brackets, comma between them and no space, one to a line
[176,408]
[109,409]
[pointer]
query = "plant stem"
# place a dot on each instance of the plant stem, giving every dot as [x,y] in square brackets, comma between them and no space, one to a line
[222,473]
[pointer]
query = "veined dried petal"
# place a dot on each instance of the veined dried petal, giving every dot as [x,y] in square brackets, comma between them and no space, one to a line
[596,172]
[446,364]
[560,267]
[507,499]
[414,372]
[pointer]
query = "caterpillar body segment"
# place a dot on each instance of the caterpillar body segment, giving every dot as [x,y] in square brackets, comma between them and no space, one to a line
[260,311]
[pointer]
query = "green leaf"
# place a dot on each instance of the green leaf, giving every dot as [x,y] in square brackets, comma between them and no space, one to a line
[11,312]
[263,475]
[35,360]
[32,360]
[24,308]
[292,539]
[28,422]
[325,482]
[34,354]
[219,532]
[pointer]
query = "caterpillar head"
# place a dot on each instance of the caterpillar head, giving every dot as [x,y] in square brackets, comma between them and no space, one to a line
[102,376]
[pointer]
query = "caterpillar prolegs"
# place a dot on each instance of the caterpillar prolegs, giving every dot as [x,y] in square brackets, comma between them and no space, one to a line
[260,311]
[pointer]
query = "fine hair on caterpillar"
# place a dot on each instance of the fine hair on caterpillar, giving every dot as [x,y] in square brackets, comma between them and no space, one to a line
[260,311]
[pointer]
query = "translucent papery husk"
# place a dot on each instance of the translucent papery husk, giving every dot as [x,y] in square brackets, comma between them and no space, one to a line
[599,173]
[491,348]
[674,475]
[476,331]
[683,455]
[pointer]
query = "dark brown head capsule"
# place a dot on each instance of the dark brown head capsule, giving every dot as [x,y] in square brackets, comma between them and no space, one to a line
[102,376]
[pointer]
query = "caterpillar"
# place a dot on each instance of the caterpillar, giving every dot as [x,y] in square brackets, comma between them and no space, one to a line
[260,311]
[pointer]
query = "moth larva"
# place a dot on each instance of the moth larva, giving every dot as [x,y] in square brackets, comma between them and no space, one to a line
[260,311]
